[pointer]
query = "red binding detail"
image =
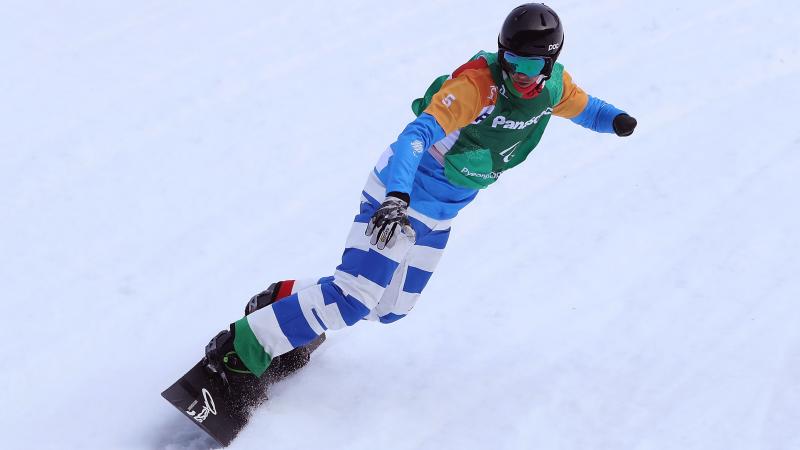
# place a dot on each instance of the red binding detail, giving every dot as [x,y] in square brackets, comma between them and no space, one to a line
[285,290]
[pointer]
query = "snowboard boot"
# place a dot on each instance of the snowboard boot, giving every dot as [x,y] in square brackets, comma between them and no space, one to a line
[244,388]
[288,363]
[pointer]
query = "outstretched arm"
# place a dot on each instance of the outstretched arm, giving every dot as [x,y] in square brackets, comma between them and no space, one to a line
[591,112]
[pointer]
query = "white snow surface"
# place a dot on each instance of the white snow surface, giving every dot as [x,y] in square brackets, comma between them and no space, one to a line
[161,162]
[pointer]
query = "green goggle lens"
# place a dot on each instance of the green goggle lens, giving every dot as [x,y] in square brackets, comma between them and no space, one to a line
[527,65]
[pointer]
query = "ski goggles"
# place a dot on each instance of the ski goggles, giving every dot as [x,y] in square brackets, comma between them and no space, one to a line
[526,65]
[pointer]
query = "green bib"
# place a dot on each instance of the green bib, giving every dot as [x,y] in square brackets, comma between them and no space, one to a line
[502,137]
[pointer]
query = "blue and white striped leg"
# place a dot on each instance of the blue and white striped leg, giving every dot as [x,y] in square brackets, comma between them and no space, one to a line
[355,289]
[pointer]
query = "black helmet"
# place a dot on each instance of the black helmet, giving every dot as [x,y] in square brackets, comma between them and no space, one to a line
[532,29]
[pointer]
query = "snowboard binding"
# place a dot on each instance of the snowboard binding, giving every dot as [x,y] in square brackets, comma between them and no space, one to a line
[221,358]
[222,361]
[219,393]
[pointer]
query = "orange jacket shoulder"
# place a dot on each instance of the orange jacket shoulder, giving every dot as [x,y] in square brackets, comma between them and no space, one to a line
[462,98]
[573,99]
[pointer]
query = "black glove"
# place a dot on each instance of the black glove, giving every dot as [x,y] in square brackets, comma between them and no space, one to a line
[624,124]
[389,220]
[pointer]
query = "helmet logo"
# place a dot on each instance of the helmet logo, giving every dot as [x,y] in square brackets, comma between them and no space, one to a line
[553,47]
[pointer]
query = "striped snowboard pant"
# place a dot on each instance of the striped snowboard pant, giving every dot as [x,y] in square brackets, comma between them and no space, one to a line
[381,285]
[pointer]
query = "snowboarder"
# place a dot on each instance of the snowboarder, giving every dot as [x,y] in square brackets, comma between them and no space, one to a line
[471,126]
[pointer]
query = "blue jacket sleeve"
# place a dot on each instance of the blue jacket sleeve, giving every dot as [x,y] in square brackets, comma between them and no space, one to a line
[597,116]
[407,152]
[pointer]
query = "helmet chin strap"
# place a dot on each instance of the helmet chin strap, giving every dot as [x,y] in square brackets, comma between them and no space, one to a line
[540,81]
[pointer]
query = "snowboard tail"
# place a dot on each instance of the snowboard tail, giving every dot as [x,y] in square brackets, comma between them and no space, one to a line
[206,402]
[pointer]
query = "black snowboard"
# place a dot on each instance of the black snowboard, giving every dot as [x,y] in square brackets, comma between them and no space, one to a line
[222,409]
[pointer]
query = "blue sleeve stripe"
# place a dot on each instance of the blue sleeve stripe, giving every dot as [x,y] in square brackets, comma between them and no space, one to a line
[367,209]
[350,308]
[350,259]
[408,149]
[292,322]
[598,116]
[327,279]
[391,317]
[435,239]
[371,200]
[377,268]
[369,264]
[416,279]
